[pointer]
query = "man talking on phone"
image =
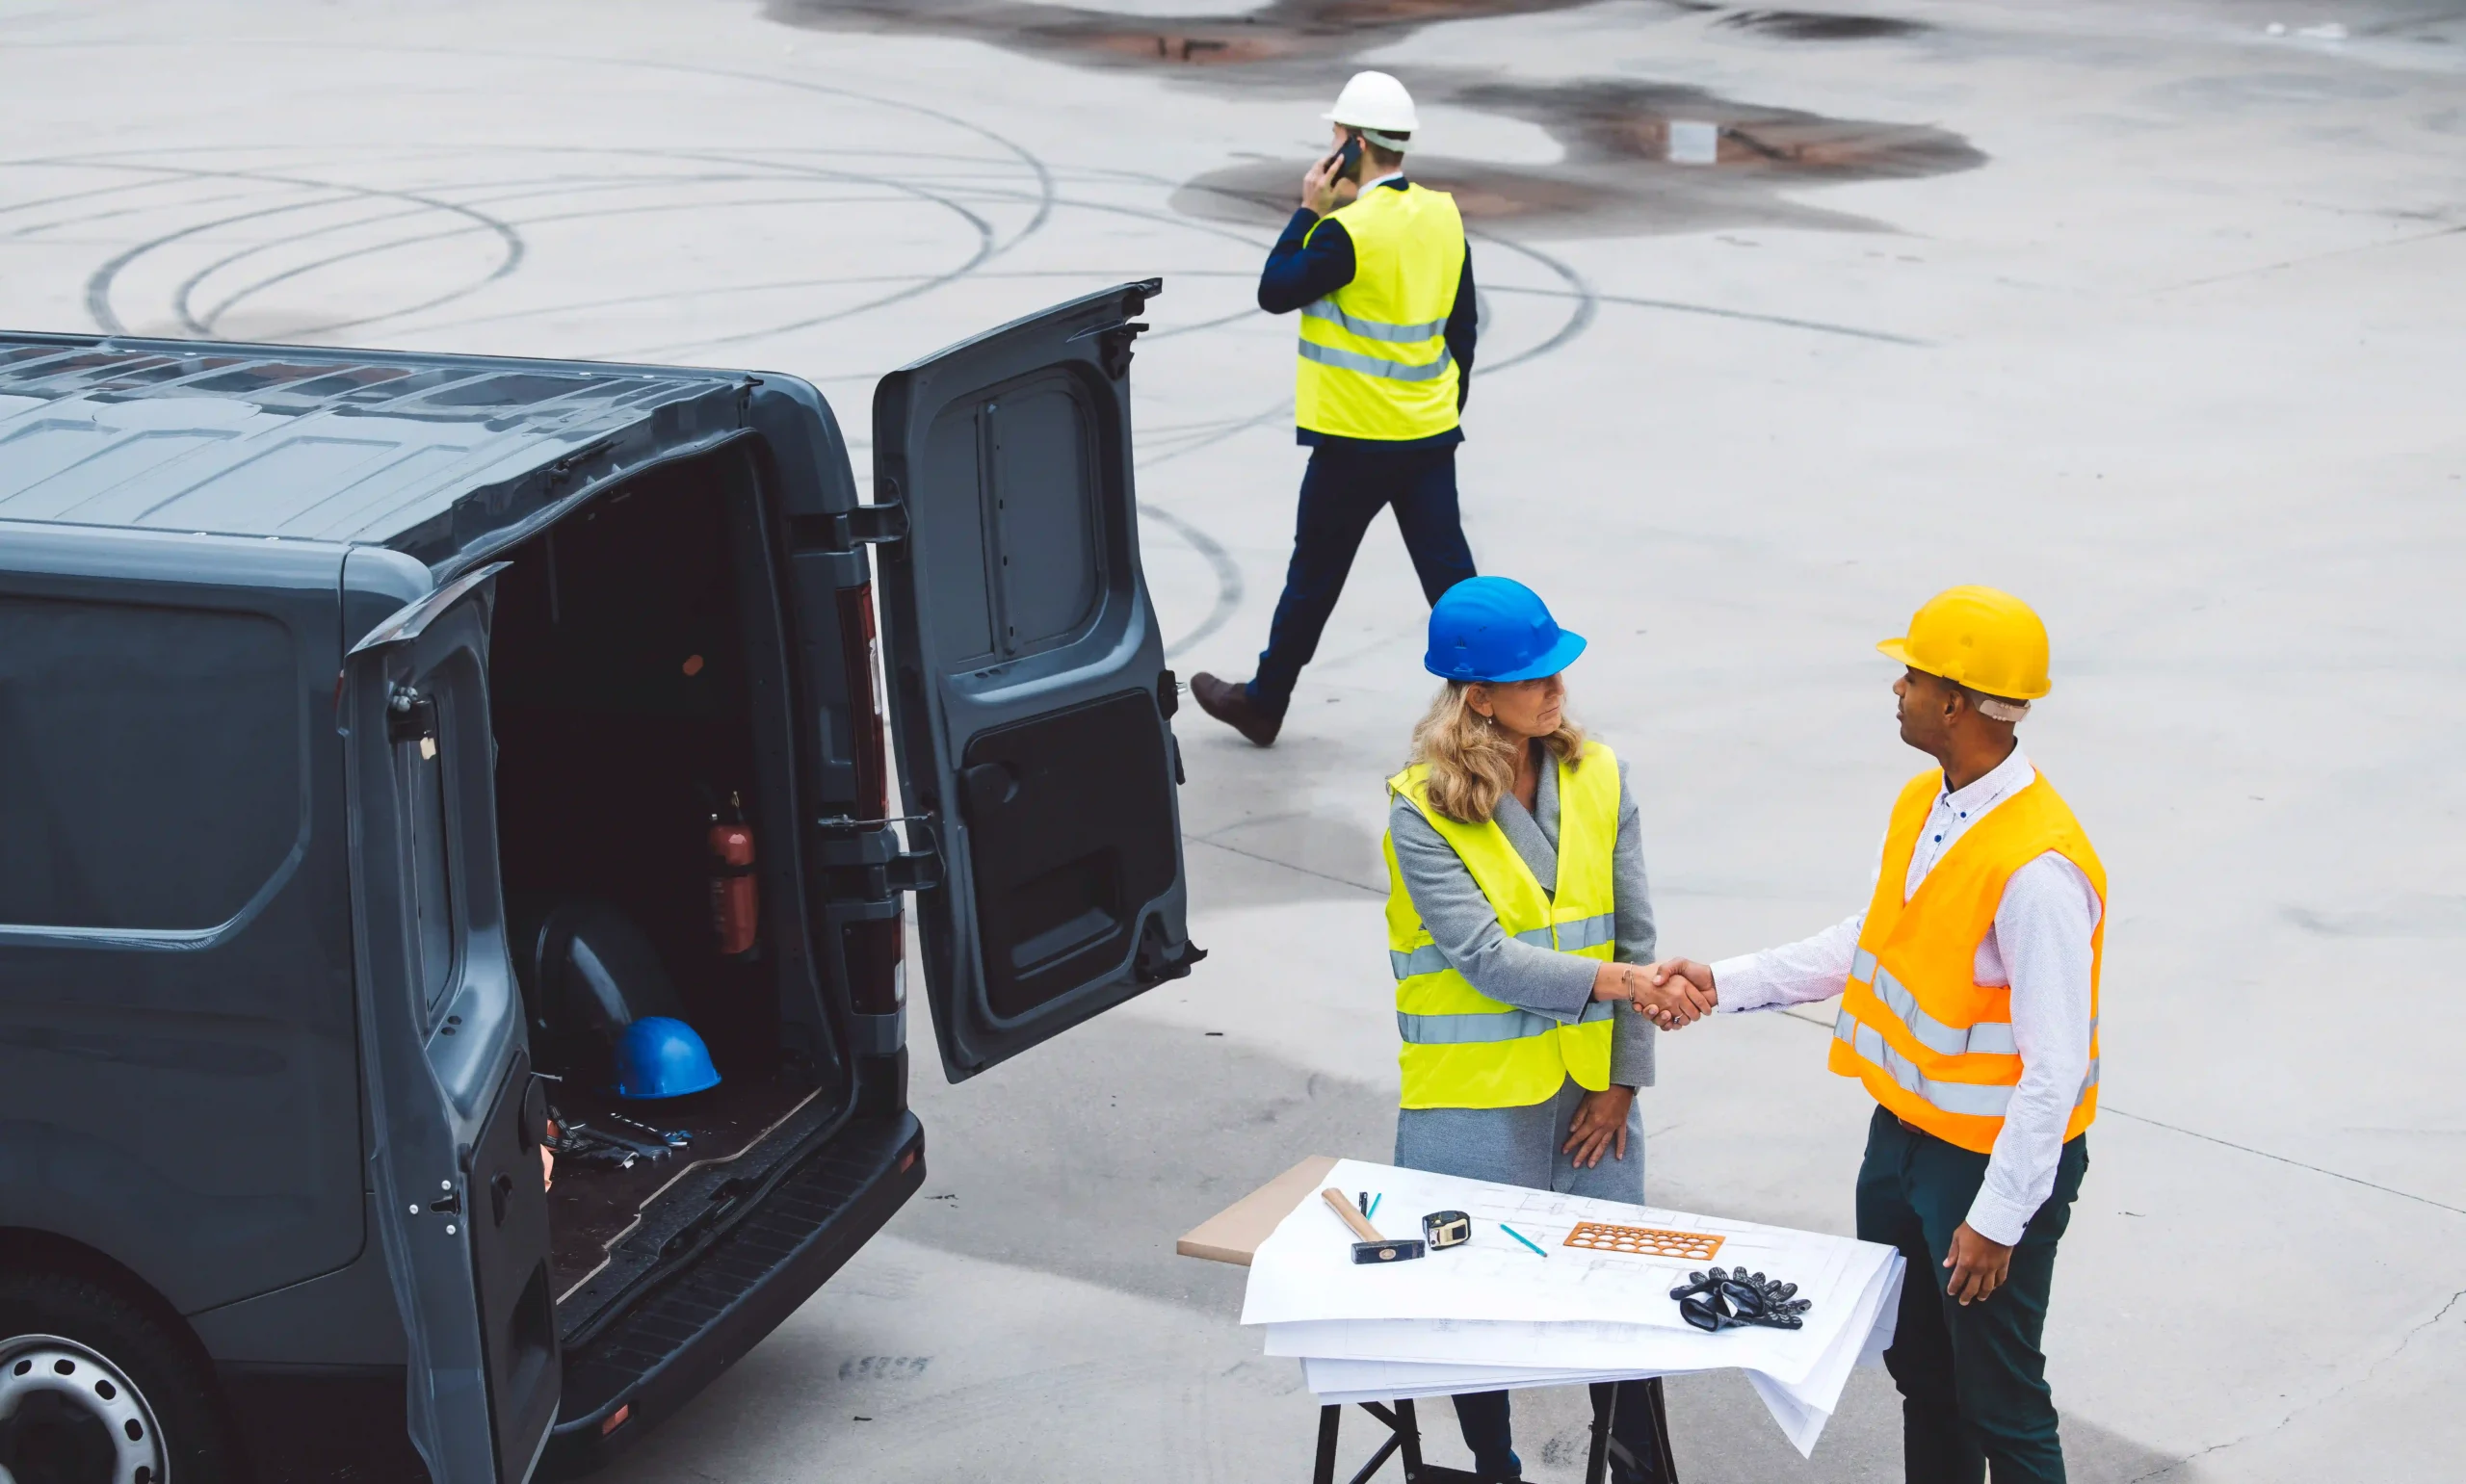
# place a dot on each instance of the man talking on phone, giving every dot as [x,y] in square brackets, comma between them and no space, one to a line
[1381,270]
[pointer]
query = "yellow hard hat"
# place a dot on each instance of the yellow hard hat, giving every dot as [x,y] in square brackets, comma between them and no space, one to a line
[1979,638]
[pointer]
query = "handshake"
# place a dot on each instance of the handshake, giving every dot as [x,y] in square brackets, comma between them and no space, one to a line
[1675,991]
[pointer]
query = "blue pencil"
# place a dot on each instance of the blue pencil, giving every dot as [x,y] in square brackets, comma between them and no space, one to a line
[1520,1237]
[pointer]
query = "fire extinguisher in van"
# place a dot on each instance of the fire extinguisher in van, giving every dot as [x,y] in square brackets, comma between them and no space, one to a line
[734,911]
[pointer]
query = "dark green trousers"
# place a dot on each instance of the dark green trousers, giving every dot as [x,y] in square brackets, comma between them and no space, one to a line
[1972,1377]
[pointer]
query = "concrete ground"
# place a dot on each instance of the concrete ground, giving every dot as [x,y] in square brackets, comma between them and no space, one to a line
[2145,309]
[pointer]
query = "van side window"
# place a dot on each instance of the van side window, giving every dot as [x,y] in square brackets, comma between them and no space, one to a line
[151,763]
[432,873]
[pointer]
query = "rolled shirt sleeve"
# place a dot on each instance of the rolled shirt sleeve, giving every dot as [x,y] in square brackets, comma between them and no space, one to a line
[2043,933]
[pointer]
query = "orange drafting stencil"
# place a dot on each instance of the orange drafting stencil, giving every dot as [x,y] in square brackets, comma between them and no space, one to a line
[1644,1241]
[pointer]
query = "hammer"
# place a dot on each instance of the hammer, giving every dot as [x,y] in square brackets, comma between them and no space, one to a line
[1373,1247]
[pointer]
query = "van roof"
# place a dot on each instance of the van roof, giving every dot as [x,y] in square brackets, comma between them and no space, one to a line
[440,456]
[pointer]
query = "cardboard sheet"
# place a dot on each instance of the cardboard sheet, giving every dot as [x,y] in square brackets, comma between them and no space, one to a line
[1233,1234]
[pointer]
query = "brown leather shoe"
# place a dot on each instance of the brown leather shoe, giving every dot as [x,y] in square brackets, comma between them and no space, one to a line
[1230,703]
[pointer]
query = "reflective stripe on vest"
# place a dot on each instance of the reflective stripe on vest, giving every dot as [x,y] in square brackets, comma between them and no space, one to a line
[1373,366]
[1932,1043]
[1991,1037]
[1372,358]
[1460,1048]
[1970,1100]
[1502,1026]
[1589,933]
[1371,330]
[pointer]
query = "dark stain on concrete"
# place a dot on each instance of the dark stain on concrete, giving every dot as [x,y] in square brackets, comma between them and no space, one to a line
[1616,177]
[1320,34]
[1819,25]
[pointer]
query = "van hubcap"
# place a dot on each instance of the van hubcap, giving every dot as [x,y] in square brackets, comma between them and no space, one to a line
[68,1416]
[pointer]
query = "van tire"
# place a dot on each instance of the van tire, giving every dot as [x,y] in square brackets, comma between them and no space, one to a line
[146,1368]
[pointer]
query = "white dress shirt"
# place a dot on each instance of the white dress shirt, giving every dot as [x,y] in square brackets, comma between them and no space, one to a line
[2040,945]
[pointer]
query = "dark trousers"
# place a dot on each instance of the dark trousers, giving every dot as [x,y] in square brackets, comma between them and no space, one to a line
[1484,1418]
[1972,1377]
[1346,486]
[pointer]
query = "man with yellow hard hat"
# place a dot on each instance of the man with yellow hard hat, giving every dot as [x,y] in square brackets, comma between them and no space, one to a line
[1969,1007]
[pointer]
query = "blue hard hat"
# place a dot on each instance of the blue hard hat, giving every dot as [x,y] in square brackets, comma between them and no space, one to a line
[660,1056]
[1491,628]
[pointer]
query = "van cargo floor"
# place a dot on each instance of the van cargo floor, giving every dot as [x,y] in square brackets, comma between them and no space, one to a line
[594,1205]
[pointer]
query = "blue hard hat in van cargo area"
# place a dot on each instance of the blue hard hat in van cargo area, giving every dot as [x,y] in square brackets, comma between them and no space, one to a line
[660,1056]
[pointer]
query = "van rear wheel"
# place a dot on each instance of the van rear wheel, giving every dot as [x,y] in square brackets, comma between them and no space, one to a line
[93,1391]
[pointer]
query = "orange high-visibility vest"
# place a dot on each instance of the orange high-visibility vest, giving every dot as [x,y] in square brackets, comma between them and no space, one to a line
[1932,1043]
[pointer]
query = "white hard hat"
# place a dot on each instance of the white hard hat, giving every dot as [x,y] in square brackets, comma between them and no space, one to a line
[1375,101]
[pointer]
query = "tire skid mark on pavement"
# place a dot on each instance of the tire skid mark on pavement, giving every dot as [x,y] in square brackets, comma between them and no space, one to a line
[1228,574]
[98,284]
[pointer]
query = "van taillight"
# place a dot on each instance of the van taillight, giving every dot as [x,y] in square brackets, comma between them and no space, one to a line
[874,947]
[865,700]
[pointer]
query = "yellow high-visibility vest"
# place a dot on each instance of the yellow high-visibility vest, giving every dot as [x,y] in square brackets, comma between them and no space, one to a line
[1932,1043]
[1463,1049]
[1374,353]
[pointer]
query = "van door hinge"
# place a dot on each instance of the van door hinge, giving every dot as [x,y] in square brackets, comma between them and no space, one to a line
[913,870]
[882,521]
[871,862]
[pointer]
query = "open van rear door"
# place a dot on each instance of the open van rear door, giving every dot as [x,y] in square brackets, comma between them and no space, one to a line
[460,1208]
[1027,679]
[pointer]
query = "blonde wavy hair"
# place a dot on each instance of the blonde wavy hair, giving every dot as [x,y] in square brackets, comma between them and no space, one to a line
[1472,762]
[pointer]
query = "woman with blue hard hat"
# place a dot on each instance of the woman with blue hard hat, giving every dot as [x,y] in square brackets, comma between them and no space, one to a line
[1516,911]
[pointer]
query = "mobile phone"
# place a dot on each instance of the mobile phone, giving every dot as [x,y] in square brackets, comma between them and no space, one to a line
[1347,157]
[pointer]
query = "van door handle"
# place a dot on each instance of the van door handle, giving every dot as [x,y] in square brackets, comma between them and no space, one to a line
[499,1191]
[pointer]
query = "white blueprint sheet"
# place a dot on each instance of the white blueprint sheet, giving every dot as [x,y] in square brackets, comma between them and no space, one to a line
[1801,1412]
[1623,1349]
[1304,1270]
[1508,1319]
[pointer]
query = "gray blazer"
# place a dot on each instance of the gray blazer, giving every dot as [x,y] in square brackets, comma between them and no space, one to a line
[1529,978]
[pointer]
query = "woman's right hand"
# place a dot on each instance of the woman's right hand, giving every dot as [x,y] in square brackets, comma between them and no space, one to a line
[1682,977]
[1671,1004]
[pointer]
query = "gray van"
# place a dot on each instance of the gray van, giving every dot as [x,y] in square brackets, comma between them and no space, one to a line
[387,738]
